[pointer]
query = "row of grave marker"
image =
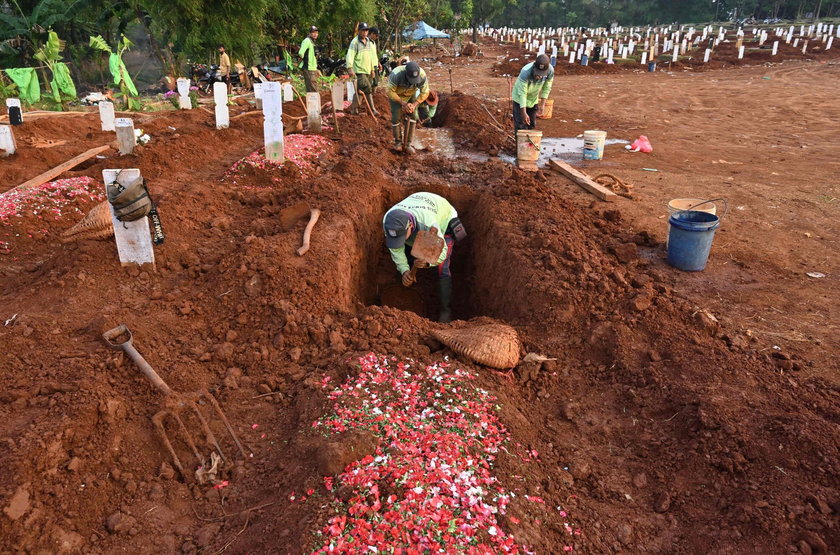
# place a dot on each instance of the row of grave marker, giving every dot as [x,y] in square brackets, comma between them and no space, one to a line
[577,43]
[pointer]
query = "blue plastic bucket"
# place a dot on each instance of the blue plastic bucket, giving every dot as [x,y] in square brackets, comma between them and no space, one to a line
[690,239]
[651,66]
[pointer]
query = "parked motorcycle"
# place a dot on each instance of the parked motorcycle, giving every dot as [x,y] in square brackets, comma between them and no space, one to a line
[204,76]
[329,66]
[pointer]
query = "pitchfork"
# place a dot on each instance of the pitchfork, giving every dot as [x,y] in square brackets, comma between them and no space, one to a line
[175,403]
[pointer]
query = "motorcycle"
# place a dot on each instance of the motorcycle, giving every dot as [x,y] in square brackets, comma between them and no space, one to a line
[328,66]
[204,76]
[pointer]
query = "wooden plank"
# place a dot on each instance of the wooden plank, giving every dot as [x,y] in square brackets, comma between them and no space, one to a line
[58,170]
[38,114]
[134,240]
[582,180]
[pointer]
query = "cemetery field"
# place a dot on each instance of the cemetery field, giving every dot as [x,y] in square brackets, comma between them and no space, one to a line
[659,411]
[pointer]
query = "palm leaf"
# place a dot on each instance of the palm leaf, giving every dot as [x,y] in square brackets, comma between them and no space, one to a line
[99,43]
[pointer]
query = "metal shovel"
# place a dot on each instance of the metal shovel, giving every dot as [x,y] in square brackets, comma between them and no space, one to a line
[121,338]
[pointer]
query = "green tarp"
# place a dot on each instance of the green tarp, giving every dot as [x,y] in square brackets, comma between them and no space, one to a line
[62,82]
[29,89]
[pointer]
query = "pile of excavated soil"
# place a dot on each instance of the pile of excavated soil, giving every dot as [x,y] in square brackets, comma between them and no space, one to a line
[474,123]
[651,428]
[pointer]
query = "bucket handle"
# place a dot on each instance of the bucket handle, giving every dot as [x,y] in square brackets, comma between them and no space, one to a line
[723,200]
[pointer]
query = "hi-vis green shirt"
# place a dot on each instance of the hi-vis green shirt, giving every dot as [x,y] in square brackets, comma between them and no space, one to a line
[528,90]
[400,89]
[361,56]
[429,210]
[309,63]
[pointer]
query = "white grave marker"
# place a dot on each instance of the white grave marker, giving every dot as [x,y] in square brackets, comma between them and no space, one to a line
[273,124]
[258,95]
[7,140]
[125,135]
[313,111]
[222,111]
[337,95]
[134,239]
[351,91]
[14,103]
[288,92]
[184,101]
[775,48]
[106,115]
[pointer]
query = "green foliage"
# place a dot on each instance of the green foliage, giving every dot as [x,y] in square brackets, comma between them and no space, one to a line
[128,92]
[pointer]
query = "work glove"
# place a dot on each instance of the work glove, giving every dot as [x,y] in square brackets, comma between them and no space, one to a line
[408,279]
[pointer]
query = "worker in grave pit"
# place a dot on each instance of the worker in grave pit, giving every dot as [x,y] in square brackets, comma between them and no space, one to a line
[408,88]
[423,211]
[532,87]
[428,109]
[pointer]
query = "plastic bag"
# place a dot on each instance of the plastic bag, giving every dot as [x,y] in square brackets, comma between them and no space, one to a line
[642,144]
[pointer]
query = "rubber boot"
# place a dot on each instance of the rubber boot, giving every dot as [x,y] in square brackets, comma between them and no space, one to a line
[445,291]
[354,106]
[412,125]
[396,129]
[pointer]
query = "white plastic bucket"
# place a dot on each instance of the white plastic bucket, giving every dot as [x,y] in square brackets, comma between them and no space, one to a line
[593,144]
[528,144]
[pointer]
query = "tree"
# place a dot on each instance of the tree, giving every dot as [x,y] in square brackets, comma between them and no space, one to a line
[485,10]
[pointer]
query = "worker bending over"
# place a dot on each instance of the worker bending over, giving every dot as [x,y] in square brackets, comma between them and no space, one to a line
[532,86]
[408,87]
[423,211]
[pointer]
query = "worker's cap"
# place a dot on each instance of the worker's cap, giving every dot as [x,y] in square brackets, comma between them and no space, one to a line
[395,225]
[432,99]
[412,71]
[313,29]
[541,65]
[363,27]
[374,30]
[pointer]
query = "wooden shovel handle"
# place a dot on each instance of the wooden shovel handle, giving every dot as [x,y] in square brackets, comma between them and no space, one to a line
[314,214]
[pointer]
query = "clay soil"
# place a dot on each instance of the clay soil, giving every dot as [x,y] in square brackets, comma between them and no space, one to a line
[684,413]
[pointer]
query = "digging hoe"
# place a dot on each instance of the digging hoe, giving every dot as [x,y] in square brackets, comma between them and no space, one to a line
[174,405]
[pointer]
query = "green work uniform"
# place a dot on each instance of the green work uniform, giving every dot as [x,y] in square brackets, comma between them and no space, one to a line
[528,90]
[429,210]
[307,54]
[399,89]
[361,57]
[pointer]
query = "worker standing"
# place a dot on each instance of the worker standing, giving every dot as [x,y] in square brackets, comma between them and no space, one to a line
[408,88]
[362,60]
[224,67]
[309,63]
[373,35]
[532,88]
[421,212]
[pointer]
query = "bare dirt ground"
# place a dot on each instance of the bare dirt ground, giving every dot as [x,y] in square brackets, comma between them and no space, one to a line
[657,429]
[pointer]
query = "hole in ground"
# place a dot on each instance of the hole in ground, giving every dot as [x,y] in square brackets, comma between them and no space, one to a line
[481,285]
